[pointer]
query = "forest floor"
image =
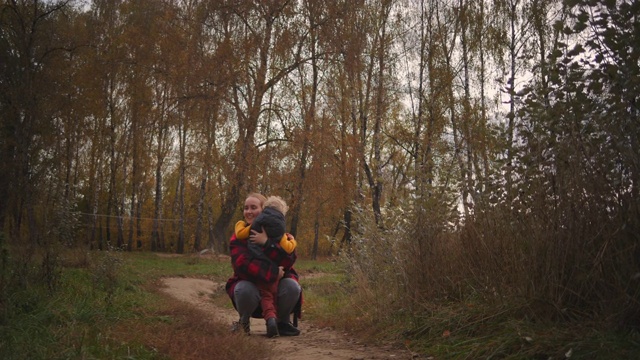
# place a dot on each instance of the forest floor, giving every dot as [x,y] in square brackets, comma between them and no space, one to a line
[313,343]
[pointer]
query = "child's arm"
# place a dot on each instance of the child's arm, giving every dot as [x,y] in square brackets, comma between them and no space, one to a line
[288,243]
[242,230]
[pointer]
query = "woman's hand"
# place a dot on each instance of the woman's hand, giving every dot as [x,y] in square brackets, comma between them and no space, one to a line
[280,272]
[259,238]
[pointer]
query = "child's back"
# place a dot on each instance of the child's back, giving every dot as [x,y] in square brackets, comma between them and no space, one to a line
[272,221]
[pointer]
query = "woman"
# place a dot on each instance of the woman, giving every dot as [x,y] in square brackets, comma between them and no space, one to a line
[249,270]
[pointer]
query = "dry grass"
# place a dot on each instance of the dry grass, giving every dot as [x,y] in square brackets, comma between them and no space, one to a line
[180,332]
[501,286]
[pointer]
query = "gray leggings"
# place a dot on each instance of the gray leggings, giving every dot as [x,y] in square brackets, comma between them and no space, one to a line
[247,298]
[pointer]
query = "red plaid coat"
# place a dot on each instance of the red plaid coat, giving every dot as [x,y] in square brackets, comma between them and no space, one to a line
[249,267]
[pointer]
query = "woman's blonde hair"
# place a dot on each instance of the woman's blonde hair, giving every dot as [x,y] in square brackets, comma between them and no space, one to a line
[258,196]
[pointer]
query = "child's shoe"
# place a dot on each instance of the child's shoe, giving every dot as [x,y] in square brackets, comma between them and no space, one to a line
[272,327]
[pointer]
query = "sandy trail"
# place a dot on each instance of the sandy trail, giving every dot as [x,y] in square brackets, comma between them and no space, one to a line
[313,343]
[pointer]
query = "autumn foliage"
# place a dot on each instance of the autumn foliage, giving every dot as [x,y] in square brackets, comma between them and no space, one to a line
[467,148]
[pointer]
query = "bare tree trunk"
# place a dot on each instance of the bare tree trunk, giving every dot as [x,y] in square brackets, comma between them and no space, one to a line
[418,118]
[376,182]
[197,246]
[346,237]
[483,174]
[182,133]
[120,209]
[95,185]
[211,243]
[156,244]
[134,175]
[157,238]
[424,123]
[309,117]
[316,237]
[460,124]
[112,198]
[138,216]
[513,53]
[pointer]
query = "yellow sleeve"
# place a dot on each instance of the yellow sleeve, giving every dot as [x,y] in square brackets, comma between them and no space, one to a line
[242,230]
[288,244]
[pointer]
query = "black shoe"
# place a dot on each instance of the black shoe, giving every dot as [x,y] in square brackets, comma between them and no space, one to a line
[272,328]
[286,329]
[237,325]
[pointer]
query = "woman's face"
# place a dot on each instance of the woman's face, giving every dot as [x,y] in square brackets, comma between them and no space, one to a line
[252,209]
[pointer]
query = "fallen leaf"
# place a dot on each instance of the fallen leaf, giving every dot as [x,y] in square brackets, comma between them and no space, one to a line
[446,333]
[569,353]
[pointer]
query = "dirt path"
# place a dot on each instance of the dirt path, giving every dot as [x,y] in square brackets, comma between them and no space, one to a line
[313,342]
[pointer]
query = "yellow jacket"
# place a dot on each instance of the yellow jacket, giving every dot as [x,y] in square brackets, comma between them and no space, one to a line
[243,230]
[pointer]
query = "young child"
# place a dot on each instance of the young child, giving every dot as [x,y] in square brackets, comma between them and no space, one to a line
[271,220]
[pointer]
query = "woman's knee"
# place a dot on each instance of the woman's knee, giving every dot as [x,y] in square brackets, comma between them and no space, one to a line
[288,295]
[246,292]
[289,288]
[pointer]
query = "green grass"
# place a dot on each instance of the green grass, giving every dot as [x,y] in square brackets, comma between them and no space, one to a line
[150,265]
[100,309]
[325,266]
[323,284]
[71,322]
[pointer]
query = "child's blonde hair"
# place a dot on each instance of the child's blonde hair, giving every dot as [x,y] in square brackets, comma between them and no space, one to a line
[277,203]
